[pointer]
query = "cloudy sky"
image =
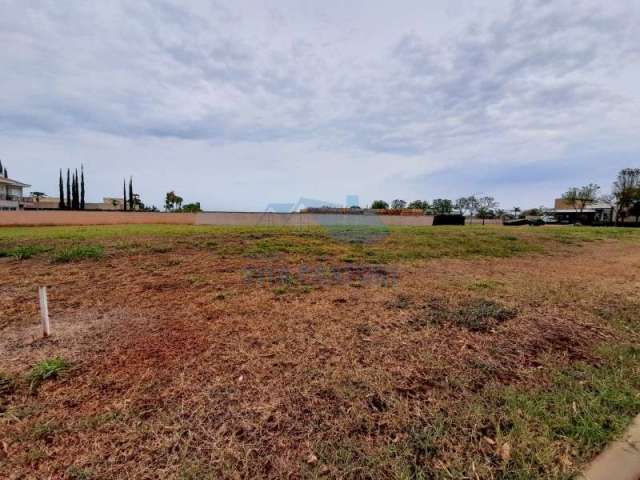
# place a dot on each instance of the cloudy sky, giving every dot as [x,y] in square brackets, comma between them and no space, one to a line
[237,104]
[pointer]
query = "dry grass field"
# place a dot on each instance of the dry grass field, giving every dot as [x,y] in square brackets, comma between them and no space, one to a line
[184,352]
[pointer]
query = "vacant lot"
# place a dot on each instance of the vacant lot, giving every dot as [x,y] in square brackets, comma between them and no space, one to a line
[203,352]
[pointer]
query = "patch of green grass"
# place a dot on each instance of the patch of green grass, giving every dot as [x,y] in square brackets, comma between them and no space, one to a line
[481,315]
[352,243]
[47,369]
[24,252]
[78,252]
[477,315]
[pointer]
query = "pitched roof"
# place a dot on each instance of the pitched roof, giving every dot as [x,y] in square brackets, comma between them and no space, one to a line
[15,183]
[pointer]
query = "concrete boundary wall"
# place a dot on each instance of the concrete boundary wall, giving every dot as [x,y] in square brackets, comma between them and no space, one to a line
[307,219]
[61,217]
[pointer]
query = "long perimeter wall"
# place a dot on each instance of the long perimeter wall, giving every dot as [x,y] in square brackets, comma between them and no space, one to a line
[58,217]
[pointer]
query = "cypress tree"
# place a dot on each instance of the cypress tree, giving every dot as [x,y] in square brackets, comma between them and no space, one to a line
[76,192]
[130,193]
[1,166]
[68,189]
[81,187]
[61,204]
[73,191]
[6,175]
[124,195]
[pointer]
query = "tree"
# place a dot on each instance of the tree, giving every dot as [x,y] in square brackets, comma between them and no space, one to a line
[68,188]
[626,189]
[124,195]
[587,195]
[419,205]
[580,197]
[131,193]
[398,204]
[379,205]
[6,175]
[466,205]
[192,208]
[442,206]
[570,197]
[485,207]
[461,205]
[172,202]
[82,204]
[61,204]
[635,211]
[75,200]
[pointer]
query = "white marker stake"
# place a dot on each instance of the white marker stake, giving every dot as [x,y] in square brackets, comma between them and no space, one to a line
[44,311]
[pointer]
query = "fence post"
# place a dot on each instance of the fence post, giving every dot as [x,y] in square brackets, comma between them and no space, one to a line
[44,311]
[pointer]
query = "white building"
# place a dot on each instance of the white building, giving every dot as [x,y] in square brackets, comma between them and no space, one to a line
[11,194]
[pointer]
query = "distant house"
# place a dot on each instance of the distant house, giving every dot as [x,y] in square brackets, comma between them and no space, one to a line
[11,194]
[598,213]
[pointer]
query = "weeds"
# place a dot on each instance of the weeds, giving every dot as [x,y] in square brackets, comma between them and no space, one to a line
[24,252]
[79,252]
[47,369]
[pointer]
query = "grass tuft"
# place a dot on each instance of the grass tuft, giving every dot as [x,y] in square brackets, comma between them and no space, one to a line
[79,252]
[46,370]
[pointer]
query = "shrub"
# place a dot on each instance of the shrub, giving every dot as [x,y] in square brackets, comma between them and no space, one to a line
[79,252]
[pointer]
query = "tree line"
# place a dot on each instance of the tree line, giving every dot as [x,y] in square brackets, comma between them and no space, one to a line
[624,196]
[173,203]
[480,207]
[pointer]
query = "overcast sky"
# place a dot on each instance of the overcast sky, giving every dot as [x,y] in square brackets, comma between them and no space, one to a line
[241,103]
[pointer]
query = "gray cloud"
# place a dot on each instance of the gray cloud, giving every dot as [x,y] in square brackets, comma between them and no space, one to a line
[505,86]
